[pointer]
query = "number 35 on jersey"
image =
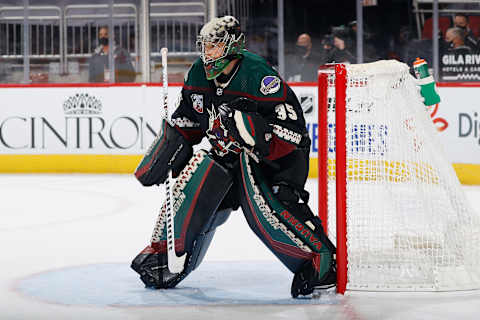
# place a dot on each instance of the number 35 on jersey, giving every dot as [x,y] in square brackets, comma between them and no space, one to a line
[284,111]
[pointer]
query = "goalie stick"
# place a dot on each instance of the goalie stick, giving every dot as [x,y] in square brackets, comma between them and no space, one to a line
[175,263]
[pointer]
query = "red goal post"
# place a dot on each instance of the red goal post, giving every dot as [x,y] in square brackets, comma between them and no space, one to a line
[388,198]
[324,81]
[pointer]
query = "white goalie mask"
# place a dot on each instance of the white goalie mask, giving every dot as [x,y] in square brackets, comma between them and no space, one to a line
[220,40]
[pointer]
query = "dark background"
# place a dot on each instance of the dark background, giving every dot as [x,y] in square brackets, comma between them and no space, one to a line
[317,17]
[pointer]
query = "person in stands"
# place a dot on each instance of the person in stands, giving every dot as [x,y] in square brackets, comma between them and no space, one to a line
[99,70]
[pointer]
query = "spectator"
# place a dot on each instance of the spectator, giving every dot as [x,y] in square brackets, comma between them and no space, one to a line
[455,38]
[460,20]
[99,64]
[327,48]
[343,46]
[305,62]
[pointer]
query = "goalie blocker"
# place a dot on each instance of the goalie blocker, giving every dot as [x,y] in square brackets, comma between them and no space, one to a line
[169,150]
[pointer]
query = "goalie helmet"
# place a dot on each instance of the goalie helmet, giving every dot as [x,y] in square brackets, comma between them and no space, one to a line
[220,41]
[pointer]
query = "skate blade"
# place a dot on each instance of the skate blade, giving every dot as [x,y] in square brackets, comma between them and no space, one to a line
[324,292]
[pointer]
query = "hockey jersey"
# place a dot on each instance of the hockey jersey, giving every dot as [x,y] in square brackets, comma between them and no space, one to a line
[197,112]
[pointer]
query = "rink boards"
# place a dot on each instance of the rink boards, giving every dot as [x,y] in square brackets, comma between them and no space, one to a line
[106,128]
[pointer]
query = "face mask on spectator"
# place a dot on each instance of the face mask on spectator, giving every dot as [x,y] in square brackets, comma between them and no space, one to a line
[103,41]
[301,50]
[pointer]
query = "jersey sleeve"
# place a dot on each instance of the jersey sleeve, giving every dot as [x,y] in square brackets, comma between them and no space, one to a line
[184,118]
[285,116]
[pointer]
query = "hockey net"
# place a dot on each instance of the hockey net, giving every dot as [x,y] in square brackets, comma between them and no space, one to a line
[388,197]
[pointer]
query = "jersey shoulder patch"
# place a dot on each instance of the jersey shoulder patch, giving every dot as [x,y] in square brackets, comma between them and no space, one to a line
[270,85]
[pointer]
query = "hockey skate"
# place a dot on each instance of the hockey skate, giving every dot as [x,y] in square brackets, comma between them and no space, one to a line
[306,282]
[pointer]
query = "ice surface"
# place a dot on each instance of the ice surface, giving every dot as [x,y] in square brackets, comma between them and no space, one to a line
[213,283]
[67,241]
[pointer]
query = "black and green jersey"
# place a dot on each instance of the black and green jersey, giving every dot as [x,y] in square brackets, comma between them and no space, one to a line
[197,113]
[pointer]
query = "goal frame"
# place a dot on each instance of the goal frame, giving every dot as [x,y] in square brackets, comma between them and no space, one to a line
[398,215]
[341,162]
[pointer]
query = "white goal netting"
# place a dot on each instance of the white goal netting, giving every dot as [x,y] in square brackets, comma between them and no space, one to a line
[409,226]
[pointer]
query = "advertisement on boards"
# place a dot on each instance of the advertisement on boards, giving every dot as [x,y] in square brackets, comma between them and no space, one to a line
[84,120]
[458,121]
[124,120]
[457,66]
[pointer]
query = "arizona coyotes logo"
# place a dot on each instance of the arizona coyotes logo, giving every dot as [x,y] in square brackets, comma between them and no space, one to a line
[218,135]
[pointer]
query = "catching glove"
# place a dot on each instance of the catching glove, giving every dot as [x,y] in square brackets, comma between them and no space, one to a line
[248,128]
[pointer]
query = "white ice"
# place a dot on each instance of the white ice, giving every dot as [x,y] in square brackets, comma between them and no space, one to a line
[67,241]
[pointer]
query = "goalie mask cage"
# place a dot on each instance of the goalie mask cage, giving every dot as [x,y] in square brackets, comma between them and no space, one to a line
[388,197]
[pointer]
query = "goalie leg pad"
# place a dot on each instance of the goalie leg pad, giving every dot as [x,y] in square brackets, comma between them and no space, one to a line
[198,192]
[169,150]
[291,232]
[203,241]
[151,264]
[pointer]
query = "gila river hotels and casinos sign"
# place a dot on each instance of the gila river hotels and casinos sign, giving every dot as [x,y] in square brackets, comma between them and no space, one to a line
[460,67]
